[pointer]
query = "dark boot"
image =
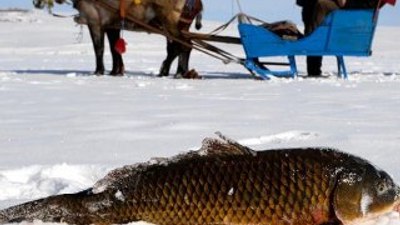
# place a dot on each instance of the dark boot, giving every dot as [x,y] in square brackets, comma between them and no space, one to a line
[314,64]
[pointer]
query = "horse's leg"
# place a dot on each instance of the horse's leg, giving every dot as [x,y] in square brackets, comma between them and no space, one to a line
[97,35]
[183,63]
[173,50]
[118,64]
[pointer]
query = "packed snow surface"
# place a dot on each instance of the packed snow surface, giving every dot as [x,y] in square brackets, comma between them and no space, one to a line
[62,129]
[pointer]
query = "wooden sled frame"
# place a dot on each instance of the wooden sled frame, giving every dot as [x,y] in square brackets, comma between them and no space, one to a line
[343,33]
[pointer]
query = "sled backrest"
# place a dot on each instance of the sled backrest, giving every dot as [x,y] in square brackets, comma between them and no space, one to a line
[351,32]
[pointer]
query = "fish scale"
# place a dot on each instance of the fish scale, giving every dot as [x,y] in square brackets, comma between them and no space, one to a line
[225,183]
[264,189]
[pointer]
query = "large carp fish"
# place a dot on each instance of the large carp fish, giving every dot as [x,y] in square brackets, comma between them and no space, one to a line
[225,183]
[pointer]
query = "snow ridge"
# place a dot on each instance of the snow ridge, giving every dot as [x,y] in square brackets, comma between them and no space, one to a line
[34,182]
[280,138]
[18,16]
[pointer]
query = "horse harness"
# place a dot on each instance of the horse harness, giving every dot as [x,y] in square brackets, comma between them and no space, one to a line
[190,11]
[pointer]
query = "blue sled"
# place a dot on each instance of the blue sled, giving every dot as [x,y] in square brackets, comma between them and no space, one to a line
[343,33]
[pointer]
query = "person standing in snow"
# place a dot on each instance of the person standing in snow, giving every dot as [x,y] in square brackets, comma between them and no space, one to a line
[314,63]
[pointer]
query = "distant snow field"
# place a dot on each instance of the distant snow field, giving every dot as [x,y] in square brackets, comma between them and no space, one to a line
[16,15]
[61,128]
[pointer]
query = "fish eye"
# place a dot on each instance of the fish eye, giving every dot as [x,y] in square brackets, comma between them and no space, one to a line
[383,183]
[383,187]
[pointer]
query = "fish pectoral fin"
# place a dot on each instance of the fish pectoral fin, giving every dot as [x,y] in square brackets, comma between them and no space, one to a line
[347,199]
[224,146]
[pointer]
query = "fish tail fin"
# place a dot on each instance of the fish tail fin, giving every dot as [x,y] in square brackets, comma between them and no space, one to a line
[24,212]
[60,208]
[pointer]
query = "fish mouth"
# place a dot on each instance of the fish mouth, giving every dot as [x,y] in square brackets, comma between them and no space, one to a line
[396,206]
[398,192]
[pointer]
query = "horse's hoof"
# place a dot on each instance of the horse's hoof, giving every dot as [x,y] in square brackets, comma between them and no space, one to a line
[163,75]
[98,73]
[116,73]
[163,72]
[178,76]
[191,74]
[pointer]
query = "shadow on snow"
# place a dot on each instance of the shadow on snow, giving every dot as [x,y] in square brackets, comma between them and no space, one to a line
[130,74]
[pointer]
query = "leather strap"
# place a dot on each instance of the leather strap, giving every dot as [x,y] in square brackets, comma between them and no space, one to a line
[122,10]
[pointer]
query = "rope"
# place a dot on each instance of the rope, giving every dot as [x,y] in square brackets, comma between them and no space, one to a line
[228,57]
[232,9]
[224,26]
[242,18]
[239,6]
[376,13]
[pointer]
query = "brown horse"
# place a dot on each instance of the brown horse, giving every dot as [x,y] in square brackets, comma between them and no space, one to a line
[171,16]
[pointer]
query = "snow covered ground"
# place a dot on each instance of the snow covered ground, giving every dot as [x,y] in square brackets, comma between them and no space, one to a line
[61,129]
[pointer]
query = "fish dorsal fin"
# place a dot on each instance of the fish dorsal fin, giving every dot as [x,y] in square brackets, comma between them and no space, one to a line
[117,178]
[224,146]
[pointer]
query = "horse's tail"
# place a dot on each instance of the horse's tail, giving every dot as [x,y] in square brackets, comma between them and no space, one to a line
[69,208]
[199,18]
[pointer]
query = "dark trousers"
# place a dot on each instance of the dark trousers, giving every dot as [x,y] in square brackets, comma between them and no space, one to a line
[314,63]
